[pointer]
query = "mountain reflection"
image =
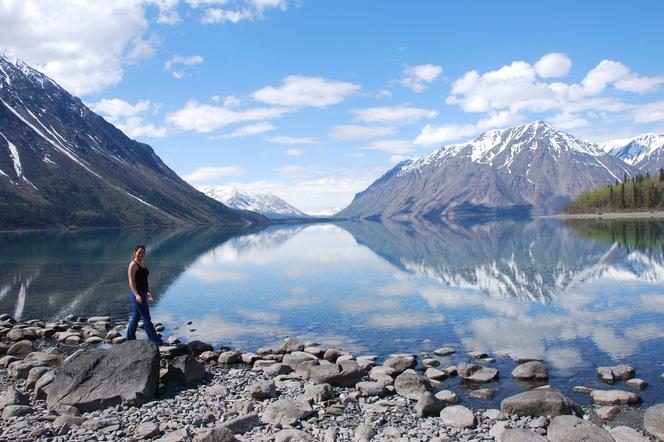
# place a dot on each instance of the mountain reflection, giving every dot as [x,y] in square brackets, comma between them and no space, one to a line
[49,275]
[535,260]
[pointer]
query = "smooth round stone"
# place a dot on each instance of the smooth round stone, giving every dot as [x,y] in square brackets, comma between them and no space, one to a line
[653,421]
[286,411]
[444,351]
[16,410]
[627,434]
[429,362]
[636,383]
[371,388]
[447,396]
[21,348]
[614,397]
[533,370]
[615,373]
[458,416]
[493,414]
[477,373]
[93,319]
[482,393]
[477,354]
[319,392]
[93,340]
[428,405]
[411,385]
[291,435]
[147,430]
[539,402]
[582,389]
[572,428]
[434,373]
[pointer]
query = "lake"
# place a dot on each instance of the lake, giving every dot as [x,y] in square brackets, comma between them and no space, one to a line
[578,294]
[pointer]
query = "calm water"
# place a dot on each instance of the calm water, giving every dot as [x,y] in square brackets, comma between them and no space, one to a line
[577,295]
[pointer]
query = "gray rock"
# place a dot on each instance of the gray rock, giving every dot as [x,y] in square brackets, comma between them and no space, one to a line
[615,373]
[295,358]
[382,374]
[44,384]
[216,434]
[411,385]
[533,370]
[539,403]
[477,354]
[68,420]
[653,421]
[209,356]
[582,389]
[93,319]
[242,424]
[286,412]
[444,351]
[364,433]
[124,374]
[94,340]
[6,360]
[636,383]
[607,413]
[230,357]
[217,390]
[315,350]
[484,394]
[197,347]
[331,354]
[304,367]
[147,430]
[185,370]
[290,345]
[458,416]
[261,390]
[447,396]
[627,434]
[428,405]
[250,358]
[276,370]
[344,374]
[429,362]
[34,374]
[400,363]
[434,373]
[21,369]
[477,373]
[13,397]
[574,429]
[614,397]
[319,392]
[292,435]
[521,435]
[492,414]
[16,410]
[180,435]
[21,348]
[51,357]
[378,389]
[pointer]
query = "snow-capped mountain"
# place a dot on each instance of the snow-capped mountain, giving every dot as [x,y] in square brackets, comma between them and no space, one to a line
[266,204]
[645,152]
[63,165]
[525,170]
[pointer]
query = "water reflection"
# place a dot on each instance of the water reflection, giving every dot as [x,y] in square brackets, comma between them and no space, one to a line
[49,275]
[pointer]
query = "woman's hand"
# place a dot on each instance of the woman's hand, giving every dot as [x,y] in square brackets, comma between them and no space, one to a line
[150,297]
[138,298]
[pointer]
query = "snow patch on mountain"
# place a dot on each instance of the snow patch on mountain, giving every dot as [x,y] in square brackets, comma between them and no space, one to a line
[637,151]
[268,205]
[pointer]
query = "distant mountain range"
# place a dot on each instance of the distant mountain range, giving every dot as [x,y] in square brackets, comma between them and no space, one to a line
[63,165]
[645,152]
[268,205]
[531,169]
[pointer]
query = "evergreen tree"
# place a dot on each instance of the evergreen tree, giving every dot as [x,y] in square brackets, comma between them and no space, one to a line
[622,193]
[661,174]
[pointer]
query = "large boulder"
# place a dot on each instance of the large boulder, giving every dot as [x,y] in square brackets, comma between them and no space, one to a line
[126,373]
[198,347]
[458,416]
[653,421]
[476,373]
[343,374]
[185,370]
[539,403]
[411,385]
[286,411]
[399,364]
[572,428]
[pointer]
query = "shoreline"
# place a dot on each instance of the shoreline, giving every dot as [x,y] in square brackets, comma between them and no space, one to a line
[294,391]
[608,215]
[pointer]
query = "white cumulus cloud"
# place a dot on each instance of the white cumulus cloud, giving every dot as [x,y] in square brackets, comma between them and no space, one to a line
[251,129]
[206,118]
[176,64]
[283,139]
[301,91]
[82,45]
[392,146]
[554,64]
[417,78]
[129,118]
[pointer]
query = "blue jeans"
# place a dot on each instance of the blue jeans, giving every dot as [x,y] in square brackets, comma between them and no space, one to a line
[143,311]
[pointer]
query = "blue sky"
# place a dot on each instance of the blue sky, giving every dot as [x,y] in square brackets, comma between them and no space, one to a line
[313,100]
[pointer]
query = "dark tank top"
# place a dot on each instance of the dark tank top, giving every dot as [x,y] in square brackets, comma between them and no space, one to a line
[141,278]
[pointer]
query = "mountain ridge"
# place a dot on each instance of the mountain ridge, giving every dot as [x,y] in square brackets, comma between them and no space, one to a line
[268,205]
[62,165]
[531,169]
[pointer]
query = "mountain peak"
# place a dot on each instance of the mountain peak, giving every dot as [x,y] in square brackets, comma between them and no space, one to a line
[266,204]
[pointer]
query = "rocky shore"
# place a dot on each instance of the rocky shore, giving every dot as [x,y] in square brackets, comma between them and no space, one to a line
[76,379]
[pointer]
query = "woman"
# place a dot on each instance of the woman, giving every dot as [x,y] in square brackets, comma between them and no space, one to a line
[138,283]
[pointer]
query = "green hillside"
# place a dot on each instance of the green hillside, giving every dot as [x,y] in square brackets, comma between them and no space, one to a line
[641,193]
